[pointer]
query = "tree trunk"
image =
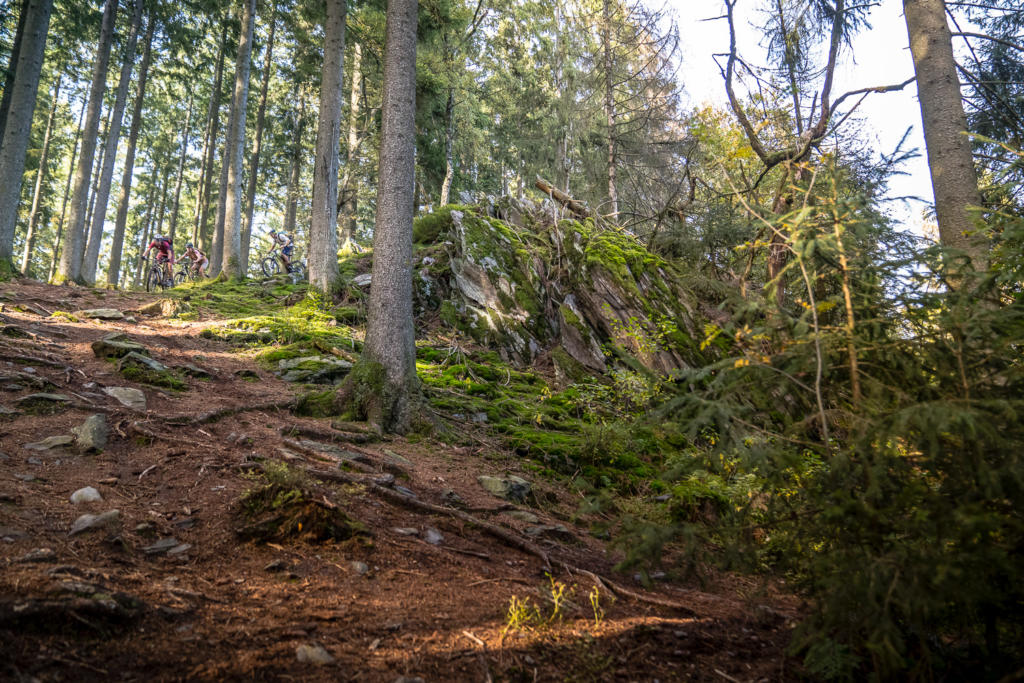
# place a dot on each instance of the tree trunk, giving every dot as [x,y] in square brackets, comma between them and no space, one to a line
[18,125]
[143,233]
[235,148]
[389,353]
[155,223]
[323,235]
[292,200]
[181,171]
[99,213]
[70,267]
[954,181]
[347,193]
[117,241]
[37,194]
[59,230]
[257,146]
[12,65]
[449,145]
[609,108]
[95,183]
[201,235]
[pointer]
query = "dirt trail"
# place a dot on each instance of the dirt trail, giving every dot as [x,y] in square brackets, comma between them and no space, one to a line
[106,604]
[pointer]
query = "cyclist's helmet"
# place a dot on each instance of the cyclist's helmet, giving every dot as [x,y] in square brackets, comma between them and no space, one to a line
[189,246]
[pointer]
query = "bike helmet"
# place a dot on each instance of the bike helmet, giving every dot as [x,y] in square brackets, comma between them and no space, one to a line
[189,246]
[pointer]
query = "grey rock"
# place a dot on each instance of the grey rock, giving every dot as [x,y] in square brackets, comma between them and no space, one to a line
[333,452]
[26,477]
[275,566]
[313,654]
[406,530]
[433,536]
[134,359]
[386,479]
[314,369]
[161,546]
[524,516]
[360,568]
[408,679]
[194,371]
[38,555]
[556,532]
[92,434]
[43,401]
[452,498]
[90,522]
[117,345]
[362,280]
[409,493]
[398,459]
[127,396]
[246,373]
[510,488]
[179,549]
[101,314]
[86,495]
[479,418]
[50,442]
[34,461]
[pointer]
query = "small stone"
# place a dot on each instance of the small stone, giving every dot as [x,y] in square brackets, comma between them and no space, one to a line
[360,568]
[553,531]
[393,626]
[408,493]
[479,418]
[161,546]
[38,555]
[406,530]
[179,549]
[117,345]
[313,654]
[43,402]
[89,522]
[50,442]
[452,498]
[34,461]
[275,566]
[101,314]
[509,488]
[92,434]
[25,477]
[127,396]
[246,374]
[194,371]
[433,536]
[386,479]
[408,679]
[524,516]
[86,495]
[137,360]
[362,280]
[130,319]
[399,459]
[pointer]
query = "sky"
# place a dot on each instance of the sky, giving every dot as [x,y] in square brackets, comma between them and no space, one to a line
[879,56]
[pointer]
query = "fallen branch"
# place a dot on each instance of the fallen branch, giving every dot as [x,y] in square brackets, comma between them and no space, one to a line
[562,198]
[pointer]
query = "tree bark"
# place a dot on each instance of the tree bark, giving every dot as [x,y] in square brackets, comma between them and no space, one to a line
[37,194]
[156,223]
[389,353]
[12,65]
[449,146]
[147,222]
[201,235]
[18,124]
[99,213]
[95,183]
[117,240]
[292,200]
[55,251]
[254,160]
[323,235]
[609,107]
[181,170]
[954,181]
[235,148]
[70,267]
[346,192]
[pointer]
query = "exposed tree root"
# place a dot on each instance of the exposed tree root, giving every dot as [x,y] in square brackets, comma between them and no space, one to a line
[329,434]
[136,428]
[215,415]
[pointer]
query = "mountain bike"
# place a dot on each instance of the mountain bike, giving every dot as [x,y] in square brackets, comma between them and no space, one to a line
[156,276]
[187,273]
[271,265]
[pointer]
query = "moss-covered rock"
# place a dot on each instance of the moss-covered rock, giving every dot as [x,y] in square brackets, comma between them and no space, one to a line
[145,370]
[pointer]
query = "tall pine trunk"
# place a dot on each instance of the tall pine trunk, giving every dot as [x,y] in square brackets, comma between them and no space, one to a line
[202,232]
[449,146]
[156,222]
[59,230]
[18,124]
[147,221]
[99,213]
[323,235]
[12,64]
[347,190]
[254,160]
[954,180]
[388,362]
[37,194]
[609,109]
[235,148]
[292,199]
[181,171]
[70,267]
[117,240]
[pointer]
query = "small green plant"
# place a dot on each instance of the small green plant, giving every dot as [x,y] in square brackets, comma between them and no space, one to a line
[522,615]
[595,604]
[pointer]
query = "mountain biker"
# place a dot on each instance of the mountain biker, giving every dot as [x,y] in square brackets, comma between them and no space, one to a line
[279,239]
[165,255]
[198,258]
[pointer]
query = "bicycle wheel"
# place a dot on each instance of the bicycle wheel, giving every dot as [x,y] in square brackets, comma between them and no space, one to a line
[154,278]
[270,266]
[180,277]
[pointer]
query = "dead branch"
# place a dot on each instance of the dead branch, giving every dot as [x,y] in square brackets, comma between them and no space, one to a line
[565,200]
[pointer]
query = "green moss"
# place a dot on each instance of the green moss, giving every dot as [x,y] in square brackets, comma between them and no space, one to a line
[317,404]
[64,315]
[142,375]
[426,229]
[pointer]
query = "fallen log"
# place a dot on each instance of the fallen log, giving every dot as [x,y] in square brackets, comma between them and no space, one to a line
[562,198]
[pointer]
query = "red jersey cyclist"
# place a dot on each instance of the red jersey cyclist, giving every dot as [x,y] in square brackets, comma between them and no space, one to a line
[164,255]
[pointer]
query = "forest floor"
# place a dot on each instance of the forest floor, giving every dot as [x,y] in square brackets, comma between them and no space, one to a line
[169,589]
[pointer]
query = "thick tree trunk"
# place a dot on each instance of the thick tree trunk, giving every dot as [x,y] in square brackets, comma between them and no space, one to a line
[292,200]
[95,183]
[59,230]
[323,236]
[12,64]
[201,235]
[347,191]
[609,108]
[942,114]
[117,240]
[449,147]
[37,194]
[18,125]
[99,213]
[172,230]
[389,353]
[232,265]
[257,146]
[70,267]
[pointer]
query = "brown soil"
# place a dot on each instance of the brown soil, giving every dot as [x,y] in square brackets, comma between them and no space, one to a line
[225,609]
